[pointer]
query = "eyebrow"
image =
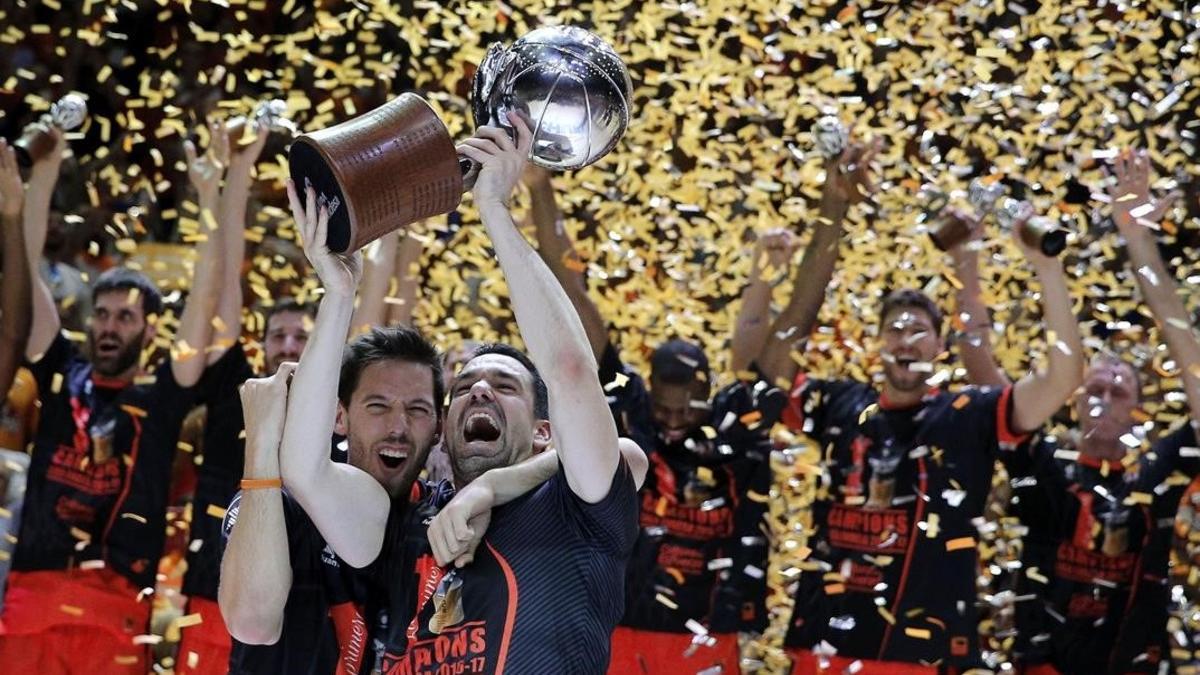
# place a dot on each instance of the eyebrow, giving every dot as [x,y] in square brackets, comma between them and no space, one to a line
[371,398]
[475,375]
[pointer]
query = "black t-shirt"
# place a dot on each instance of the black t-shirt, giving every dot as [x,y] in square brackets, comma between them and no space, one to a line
[1095,554]
[100,469]
[323,626]
[542,596]
[218,475]
[892,570]
[701,553]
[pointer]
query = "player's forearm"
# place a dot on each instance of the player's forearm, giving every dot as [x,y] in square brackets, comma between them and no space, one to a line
[975,343]
[313,397]
[15,299]
[549,325]
[753,325]
[379,266]
[347,505]
[36,212]
[554,245]
[508,483]
[1161,292]
[809,282]
[256,572]
[558,252]
[189,352]
[45,322]
[227,328]
[408,282]
[1039,395]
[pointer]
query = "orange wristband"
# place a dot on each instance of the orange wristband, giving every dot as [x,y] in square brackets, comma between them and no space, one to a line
[261,483]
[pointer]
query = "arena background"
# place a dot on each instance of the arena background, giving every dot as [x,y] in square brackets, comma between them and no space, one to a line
[1036,95]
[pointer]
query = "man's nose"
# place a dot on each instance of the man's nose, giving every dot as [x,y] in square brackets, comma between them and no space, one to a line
[481,389]
[397,423]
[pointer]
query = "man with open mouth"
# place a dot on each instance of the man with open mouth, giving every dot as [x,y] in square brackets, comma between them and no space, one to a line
[1098,502]
[93,522]
[697,575]
[544,590]
[889,586]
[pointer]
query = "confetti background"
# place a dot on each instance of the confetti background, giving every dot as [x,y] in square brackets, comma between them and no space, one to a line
[1036,94]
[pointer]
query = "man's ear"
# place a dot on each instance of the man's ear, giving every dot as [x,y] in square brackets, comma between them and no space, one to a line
[541,436]
[339,423]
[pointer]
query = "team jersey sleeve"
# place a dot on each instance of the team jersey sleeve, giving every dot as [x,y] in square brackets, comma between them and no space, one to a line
[293,517]
[986,412]
[1175,454]
[610,525]
[52,362]
[221,380]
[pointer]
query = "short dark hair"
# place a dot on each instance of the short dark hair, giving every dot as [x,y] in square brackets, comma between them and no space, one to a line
[286,306]
[541,395]
[126,279]
[398,343]
[678,362]
[909,298]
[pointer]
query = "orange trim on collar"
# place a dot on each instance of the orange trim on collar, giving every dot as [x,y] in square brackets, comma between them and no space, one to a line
[1097,463]
[109,382]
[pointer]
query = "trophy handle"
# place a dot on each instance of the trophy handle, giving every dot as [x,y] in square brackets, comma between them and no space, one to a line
[470,171]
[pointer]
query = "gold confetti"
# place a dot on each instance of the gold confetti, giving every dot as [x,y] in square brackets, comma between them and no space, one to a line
[960,543]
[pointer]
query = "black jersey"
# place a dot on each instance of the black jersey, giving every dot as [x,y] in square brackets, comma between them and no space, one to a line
[100,469]
[1093,584]
[892,571]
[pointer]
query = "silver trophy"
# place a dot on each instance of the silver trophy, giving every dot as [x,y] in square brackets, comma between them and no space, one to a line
[570,85]
[272,113]
[397,164]
[830,136]
[36,142]
[1035,231]
[983,196]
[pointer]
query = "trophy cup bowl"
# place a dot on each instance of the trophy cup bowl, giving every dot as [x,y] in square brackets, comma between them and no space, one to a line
[397,164]
[380,171]
[570,84]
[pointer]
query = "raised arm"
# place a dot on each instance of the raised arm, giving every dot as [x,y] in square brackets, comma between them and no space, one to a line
[847,182]
[15,298]
[379,264]
[1131,195]
[256,569]
[408,281]
[584,431]
[227,326]
[1039,394]
[772,257]
[975,343]
[348,506]
[188,353]
[558,251]
[42,178]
